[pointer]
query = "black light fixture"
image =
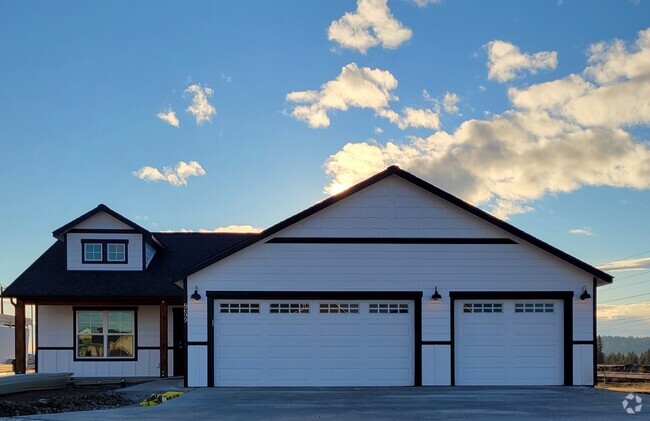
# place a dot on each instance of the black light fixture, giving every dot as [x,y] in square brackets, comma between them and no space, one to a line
[585,295]
[195,295]
[436,295]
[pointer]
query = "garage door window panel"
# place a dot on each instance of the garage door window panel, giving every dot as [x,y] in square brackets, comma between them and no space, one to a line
[534,307]
[385,308]
[289,308]
[483,308]
[338,308]
[239,308]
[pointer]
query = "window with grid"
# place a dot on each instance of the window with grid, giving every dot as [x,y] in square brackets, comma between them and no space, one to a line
[93,252]
[105,334]
[534,307]
[392,308]
[104,251]
[482,308]
[239,308]
[288,308]
[344,308]
[116,252]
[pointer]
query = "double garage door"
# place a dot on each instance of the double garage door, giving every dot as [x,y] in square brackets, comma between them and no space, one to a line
[371,343]
[313,343]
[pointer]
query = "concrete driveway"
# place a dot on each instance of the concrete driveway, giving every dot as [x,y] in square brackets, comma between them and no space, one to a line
[390,403]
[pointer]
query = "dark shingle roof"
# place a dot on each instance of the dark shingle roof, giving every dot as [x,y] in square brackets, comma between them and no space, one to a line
[48,277]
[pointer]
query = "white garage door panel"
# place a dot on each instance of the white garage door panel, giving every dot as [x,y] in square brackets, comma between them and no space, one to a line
[313,349]
[509,347]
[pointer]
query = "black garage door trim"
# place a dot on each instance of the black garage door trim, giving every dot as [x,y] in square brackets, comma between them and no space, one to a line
[415,296]
[565,296]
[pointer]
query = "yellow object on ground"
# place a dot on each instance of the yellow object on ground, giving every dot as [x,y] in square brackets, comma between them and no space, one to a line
[158,398]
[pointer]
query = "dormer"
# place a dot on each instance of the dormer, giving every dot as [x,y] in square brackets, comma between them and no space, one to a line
[102,239]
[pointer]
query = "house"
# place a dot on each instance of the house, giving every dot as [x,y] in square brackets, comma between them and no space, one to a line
[392,282]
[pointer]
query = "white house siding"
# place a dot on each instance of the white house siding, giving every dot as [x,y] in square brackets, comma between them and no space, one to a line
[391,205]
[74,251]
[102,220]
[56,331]
[149,252]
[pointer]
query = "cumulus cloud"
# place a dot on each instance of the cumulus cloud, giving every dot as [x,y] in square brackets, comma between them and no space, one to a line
[449,103]
[200,107]
[370,25]
[412,117]
[353,87]
[176,176]
[169,117]
[235,229]
[542,146]
[629,264]
[425,3]
[505,60]
[581,231]
[379,130]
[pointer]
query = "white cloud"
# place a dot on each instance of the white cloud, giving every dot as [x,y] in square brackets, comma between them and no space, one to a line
[353,87]
[235,229]
[561,135]
[449,103]
[425,3]
[629,264]
[169,117]
[379,130]
[176,176]
[505,60]
[200,107]
[370,25]
[581,231]
[412,117]
[226,77]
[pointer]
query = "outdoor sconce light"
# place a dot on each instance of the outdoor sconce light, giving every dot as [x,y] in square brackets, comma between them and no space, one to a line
[195,295]
[436,295]
[585,295]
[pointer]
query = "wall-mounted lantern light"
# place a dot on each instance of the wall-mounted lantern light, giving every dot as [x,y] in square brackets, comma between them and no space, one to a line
[195,295]
[436,295]
[585,295]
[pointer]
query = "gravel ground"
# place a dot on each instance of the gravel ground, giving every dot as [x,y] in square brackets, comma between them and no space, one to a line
[72,398]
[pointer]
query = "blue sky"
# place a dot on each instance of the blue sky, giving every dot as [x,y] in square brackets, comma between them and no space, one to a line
[536,111]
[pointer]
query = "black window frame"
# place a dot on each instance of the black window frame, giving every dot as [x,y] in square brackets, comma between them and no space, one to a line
[104,244]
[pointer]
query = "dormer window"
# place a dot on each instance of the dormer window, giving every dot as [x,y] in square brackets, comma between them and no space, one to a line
[104,251]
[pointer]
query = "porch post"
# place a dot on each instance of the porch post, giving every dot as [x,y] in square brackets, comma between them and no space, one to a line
[163,339]
[19,332]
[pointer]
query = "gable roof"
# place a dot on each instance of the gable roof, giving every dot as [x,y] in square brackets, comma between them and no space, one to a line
[395,170]
[58,233]
[48,276]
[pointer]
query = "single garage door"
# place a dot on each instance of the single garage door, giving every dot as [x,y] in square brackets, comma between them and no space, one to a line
[313,343]
[504,342]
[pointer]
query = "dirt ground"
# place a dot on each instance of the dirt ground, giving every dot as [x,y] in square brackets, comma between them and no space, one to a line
[637,387]
[71,398]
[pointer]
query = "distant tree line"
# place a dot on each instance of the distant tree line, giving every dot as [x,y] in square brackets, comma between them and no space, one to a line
[619,358]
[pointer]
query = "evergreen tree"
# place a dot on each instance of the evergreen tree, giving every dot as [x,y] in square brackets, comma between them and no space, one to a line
[600,355]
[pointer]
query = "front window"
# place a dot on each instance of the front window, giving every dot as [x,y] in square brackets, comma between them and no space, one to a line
[105,251]
[105,334]
[93,252]
[116,252]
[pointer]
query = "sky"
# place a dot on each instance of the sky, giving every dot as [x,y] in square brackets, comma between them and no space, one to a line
[235,115]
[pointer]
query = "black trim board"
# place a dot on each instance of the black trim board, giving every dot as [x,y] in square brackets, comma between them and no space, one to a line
[388,240]
[187,343]
[583,342]
[595,335]
[394,170]
[415,296]
[565,296]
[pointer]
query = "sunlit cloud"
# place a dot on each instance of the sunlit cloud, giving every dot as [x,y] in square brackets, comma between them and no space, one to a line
[629,264]
[234,229]
[505,61]
[176,175]
[370,25]
[200,107]
[169,117]
[624,311]
[581,231]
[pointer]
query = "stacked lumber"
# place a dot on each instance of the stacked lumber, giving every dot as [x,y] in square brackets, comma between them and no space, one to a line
[35,381]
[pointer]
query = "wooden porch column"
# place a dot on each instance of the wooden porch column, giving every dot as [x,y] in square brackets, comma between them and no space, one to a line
[19,332]
[163,339]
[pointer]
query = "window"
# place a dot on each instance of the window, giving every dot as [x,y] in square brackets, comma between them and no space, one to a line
[389,308]
[105,334]
[534,307]
[104,251]
[93,252]
[284,308]
[238,308]
[339,308]
[482,308]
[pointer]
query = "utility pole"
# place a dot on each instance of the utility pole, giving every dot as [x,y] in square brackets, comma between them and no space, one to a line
[2,302]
